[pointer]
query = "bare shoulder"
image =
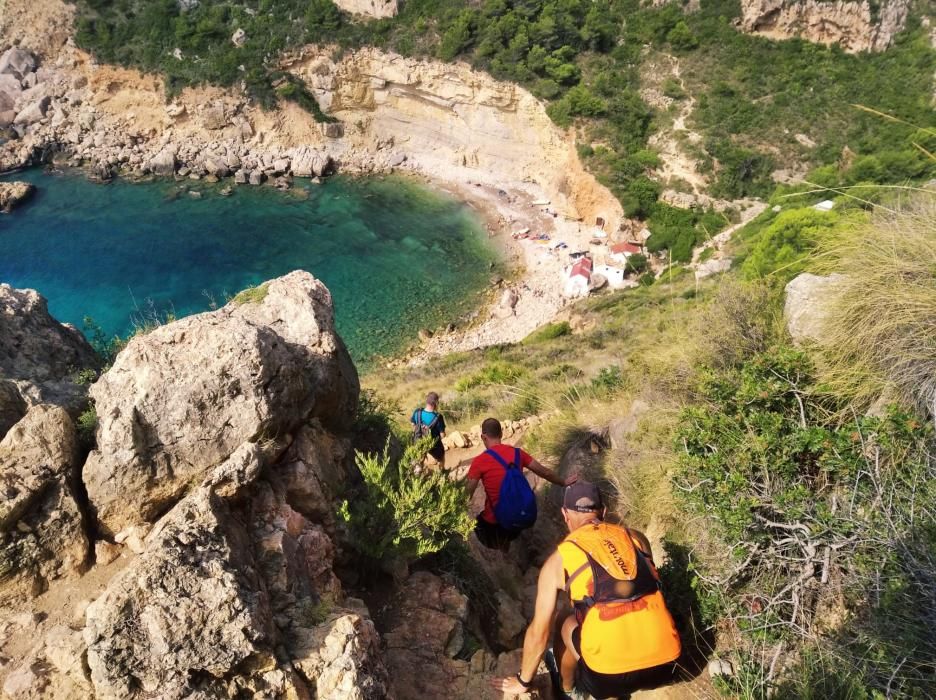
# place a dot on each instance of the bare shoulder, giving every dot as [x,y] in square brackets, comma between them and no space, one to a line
[552,570]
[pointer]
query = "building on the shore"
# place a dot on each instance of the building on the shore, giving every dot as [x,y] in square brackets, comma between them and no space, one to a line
[578,278]
[620,252]
[616,276]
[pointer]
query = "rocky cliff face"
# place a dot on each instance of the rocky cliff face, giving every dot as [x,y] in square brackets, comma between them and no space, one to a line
[370,8]
[193,553]
[448,122]
[217,465]
[456,123]
[850,24]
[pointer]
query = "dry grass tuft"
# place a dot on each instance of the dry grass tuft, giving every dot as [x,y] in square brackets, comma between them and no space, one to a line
[879,336]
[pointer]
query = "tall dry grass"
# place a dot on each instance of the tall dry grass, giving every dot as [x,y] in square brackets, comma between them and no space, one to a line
[879,334]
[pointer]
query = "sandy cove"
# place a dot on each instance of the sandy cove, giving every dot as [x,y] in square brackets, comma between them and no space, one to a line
[488,143]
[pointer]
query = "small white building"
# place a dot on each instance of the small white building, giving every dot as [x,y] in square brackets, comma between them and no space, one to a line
[578,278]
[616,276]
[824,205]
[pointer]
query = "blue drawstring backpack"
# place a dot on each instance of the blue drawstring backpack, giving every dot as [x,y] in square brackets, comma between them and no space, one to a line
[516,502]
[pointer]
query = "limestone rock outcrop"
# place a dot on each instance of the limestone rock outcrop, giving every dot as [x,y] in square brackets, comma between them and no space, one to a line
[372,8]
[12,406]
[181,399]
[806,305]
[13,193]
[39,354]
[42,530]
[849,23]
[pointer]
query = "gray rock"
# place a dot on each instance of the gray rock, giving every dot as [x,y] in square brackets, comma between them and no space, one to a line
[42,534]
[18,63]
[180,399]
[307,162]
[806,305]
[39,353]
[13,193]
[239,38]
[333,130]
[256,177]
[33,113]
[240,177]
[187,607]
[216,165]
[214,116]
[12,406]
[10,90]
[163,163]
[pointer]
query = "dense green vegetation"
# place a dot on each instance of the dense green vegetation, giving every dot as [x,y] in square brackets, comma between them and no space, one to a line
[585,59]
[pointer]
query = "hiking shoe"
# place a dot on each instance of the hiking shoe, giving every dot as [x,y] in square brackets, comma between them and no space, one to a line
[575,694]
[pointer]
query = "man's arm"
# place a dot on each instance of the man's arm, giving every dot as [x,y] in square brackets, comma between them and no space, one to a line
[537,634]
[470,486]
[642,542]
[550,475]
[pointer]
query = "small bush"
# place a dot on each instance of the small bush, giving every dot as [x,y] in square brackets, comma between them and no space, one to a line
[493,373]
[87,427]
[550,331]
[878,334]
[783,247]
[251,295]
[402,514]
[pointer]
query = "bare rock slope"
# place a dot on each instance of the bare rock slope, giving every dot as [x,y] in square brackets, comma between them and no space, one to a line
[222,445]
[852,24]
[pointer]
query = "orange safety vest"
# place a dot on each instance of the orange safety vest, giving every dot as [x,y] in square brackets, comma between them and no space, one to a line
[625,625]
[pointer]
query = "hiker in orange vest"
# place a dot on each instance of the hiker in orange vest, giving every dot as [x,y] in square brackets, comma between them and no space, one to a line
[621,635]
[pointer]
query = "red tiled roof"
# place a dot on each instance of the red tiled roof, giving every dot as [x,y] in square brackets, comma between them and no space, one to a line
[626,247]
[583,267]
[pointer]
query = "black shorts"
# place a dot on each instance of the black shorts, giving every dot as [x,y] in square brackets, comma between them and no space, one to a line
[437,452]
[492,535]
[617,685]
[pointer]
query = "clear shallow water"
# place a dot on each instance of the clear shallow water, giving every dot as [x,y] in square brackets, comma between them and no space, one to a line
[396,256]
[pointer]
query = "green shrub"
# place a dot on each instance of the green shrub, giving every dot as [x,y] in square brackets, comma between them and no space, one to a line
[550,331]
[87,426]
[637,263]
[608,381]
[766,460]
[681,37]
[251,295]
[783,246]
[402,514]
[493,373]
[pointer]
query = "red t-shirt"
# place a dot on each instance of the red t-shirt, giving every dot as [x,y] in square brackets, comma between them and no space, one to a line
[491,473]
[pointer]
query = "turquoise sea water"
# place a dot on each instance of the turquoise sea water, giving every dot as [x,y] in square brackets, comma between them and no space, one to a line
[396,256]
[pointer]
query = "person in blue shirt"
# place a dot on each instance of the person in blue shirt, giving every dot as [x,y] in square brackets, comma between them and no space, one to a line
[428,421]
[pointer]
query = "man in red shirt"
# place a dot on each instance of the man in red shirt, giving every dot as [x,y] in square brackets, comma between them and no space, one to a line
[487,470]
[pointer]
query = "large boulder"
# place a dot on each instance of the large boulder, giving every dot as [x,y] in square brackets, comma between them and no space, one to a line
[183,615]
[12,193]
[163,163]
[18,63]
[42,529]
[40,354]
[233,595]
[10,90]
[806,305]
[33,112]
[180,399]
[308,162]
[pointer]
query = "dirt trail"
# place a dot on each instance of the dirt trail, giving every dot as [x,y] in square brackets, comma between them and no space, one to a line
[677,167]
